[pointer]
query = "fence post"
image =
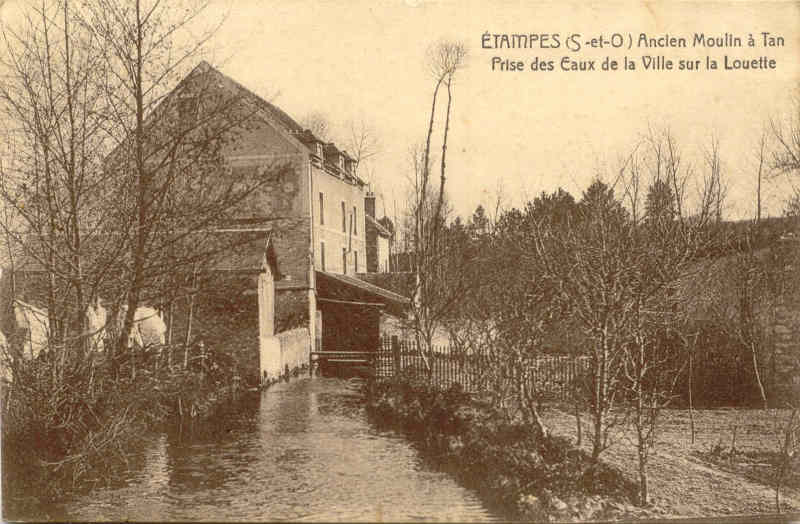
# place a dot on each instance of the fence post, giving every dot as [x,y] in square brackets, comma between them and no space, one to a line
[396,355]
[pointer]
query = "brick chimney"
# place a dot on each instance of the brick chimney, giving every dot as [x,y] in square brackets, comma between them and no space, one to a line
[369,204]
[371,233]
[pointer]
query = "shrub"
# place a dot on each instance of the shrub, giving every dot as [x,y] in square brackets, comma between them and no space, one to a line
[501,458]
[69,425]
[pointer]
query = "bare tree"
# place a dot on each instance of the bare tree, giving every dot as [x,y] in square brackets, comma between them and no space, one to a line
[429,301]
[664,247]
[787,433]
[170,146]
[761,156]
[319,124]
[785,155]
[586,264]
[363,144]
[51,98]
[714,187]
[115,183]
[618,272]
[358,137]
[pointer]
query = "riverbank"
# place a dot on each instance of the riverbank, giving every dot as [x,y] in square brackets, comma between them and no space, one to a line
[81,427]
[526,476]
[302,450]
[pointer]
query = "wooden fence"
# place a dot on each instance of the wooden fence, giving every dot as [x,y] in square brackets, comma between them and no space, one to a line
[552,376]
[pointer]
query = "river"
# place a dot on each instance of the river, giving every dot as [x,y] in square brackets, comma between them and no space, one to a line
[304,450]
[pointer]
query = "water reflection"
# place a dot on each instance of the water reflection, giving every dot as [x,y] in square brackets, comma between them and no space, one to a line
[303,451]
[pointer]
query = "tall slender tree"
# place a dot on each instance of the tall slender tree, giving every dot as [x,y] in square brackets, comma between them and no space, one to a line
[430,300]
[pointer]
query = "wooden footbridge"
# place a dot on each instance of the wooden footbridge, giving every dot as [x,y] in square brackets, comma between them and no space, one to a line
[342,358]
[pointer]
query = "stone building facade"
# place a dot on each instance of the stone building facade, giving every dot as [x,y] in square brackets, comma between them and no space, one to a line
[313,223]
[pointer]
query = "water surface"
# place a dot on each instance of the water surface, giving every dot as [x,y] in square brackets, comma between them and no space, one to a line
[303,451]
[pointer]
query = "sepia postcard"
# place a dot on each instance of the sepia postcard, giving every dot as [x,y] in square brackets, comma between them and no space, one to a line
[399,260]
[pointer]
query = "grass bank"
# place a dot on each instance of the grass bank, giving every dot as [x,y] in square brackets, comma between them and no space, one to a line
[521,474]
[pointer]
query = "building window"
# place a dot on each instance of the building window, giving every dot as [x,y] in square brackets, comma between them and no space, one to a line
[321,209]
[355,261]
[355,222]
[344,261]
[344,220]
[322,254]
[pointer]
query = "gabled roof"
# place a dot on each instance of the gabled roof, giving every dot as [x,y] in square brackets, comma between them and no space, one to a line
[276,113]
[273,113]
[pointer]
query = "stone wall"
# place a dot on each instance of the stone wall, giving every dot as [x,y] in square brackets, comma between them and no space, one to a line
[784,364]
[291,309]
[224,317]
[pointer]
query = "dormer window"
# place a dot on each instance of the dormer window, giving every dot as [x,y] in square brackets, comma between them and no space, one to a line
[317,154]
[334,163]
[350,166]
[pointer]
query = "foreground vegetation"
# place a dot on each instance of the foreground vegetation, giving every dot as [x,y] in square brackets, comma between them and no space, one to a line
[524,474]
[726,467]
[109,196]
[77,427]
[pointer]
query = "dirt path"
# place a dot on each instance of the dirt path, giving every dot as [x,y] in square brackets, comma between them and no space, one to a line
[680,482]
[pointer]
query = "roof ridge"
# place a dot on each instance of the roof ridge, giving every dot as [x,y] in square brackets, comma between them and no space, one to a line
[279,114]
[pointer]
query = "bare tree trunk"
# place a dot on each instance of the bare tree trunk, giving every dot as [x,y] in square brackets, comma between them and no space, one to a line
[530,409]
[758,374]
[787,452]
[169,333]
[142,227]
[599,403]
[761,159]
[189,319]
[691,406]
[438,213]
[642,477]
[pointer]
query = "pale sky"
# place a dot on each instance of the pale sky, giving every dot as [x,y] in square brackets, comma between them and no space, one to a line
[529,131]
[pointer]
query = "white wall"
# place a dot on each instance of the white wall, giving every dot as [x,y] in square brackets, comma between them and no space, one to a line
[383,254]
[289,348]
[336,191]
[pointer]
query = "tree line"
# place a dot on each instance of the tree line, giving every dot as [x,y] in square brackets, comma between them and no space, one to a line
[671,303]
